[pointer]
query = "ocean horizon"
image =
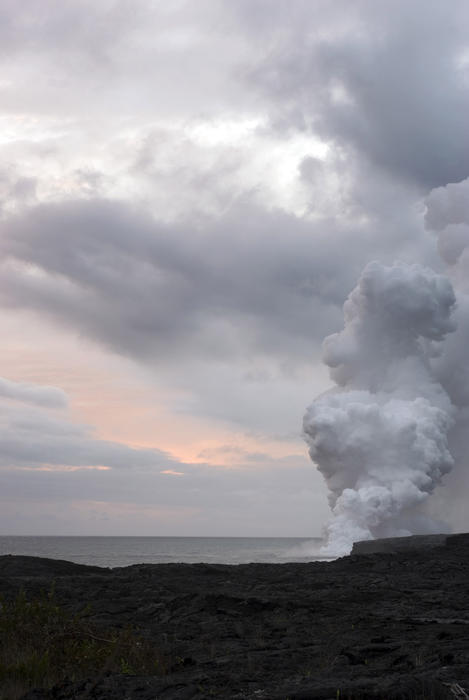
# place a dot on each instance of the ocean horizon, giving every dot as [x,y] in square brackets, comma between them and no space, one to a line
[115,550]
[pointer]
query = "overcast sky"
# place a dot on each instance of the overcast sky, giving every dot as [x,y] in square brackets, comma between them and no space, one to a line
[188,192]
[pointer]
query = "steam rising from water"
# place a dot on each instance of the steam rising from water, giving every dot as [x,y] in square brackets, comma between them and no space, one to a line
[380,438]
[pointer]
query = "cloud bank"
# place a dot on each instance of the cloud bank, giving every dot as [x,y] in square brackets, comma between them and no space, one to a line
[34,436]
[57,471]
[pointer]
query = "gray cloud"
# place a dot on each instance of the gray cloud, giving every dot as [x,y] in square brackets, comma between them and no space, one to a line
[387,80]
[81,59]
[32,393]
[245,499]
[35,437]
[248,282]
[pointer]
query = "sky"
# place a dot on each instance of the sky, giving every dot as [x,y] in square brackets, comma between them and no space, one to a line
[189,191]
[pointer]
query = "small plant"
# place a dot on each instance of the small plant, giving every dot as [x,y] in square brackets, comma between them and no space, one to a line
[41,644]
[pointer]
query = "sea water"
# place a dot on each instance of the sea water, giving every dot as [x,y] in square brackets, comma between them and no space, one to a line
[124,551]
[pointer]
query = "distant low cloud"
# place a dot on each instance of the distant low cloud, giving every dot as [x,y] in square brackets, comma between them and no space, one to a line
[35,437]
[48,396]
[48,463]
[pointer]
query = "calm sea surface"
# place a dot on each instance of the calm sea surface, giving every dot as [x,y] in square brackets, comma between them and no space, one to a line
[123,551]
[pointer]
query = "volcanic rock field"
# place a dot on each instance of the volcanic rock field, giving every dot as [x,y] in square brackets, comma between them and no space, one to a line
[388,624]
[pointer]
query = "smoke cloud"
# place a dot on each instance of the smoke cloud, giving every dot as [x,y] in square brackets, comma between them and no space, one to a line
[447,216]
[380,438]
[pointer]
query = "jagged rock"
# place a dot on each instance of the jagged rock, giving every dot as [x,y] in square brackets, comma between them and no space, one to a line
[367,626]
[401,544]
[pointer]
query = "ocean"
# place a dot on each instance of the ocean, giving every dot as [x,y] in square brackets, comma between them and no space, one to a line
[124,551]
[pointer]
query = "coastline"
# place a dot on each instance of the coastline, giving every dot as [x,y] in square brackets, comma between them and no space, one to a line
[114,551]
[378,625]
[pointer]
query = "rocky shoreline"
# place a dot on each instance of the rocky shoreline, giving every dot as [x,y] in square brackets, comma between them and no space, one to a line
[379,625]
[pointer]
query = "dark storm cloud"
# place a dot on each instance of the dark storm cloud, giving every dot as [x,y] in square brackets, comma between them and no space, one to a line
[387,79]
[250,281]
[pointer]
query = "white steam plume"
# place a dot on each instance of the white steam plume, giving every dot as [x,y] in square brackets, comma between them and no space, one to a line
[380,438]
[448,216]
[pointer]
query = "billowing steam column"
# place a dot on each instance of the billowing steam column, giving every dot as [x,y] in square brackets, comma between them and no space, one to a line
[380,437]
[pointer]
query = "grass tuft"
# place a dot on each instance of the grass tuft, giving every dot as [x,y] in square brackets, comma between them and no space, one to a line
[42,644]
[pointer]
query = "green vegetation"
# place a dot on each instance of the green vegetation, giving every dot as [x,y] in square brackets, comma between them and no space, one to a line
[42,644]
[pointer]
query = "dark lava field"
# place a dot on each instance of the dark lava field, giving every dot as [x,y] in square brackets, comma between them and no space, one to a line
[365,626]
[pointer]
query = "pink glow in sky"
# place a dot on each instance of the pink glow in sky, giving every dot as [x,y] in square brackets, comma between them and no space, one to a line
[188,193]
